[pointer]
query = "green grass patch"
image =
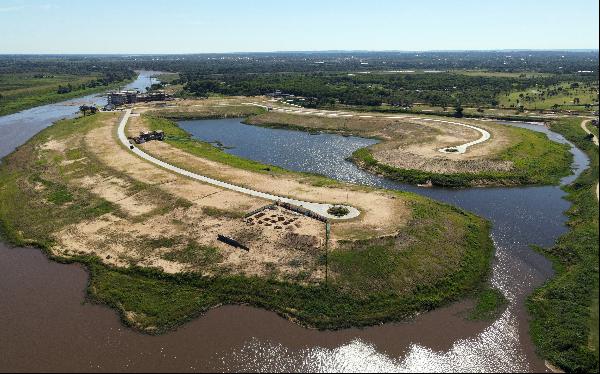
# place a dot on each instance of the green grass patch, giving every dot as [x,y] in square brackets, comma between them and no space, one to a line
[490,303]
[536,159]
[168,78]
[565,310]
[223,213]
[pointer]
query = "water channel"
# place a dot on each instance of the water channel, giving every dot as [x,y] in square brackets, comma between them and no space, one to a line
[46,325]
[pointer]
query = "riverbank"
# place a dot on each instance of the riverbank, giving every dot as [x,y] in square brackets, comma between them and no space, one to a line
[35,100]
[409,153]
[437,255]
[565,310]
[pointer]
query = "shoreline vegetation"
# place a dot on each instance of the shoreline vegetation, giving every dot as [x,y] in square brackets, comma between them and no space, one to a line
[368,282]
[544,168]
[26,92]
[537,161]
[564,312]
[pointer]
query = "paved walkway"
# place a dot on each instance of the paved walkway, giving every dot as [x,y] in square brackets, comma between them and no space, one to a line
[320,209]
[460,149]
[595,140]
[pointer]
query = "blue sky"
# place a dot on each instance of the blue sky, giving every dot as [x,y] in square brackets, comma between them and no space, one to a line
[188,26]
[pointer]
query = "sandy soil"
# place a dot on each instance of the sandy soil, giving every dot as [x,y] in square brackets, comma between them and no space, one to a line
[151,227]
[381,212]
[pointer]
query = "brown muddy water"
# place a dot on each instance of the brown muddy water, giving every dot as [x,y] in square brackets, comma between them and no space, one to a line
[46,325]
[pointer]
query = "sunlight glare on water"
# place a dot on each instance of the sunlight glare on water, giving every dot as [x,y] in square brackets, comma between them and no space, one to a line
[495,350]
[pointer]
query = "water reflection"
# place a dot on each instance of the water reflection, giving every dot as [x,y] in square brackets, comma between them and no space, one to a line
[521,216]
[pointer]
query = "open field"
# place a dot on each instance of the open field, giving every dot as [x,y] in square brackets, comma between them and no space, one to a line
[501,74]
[146,233]
[168,78]
[572,96]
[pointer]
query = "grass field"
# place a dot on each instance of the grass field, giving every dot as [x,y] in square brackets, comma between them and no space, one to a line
[563,96]
[168,78]
[23,91]
[501,74]
[379,281]
[565,310]
[490,304]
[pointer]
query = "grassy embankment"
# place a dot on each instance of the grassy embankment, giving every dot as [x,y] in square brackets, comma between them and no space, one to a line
[536,159]
[167,78]
[446,258]
[179,138]
[593,129]
[23,91]
[565,310]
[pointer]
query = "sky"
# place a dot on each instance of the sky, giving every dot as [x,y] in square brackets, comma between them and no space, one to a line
[195,26]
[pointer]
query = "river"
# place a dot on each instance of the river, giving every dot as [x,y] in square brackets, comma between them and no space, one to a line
[47,326]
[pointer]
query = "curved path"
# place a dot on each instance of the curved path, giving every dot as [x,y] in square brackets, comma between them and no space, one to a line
[595,139]
[460,149]
[318,208]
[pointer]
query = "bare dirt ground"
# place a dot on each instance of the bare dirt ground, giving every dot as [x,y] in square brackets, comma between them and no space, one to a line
[381,212]
[229,107]
[171,222]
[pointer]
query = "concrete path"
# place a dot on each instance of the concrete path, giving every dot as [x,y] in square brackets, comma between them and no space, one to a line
[320,209]
[460,149]
[595,140]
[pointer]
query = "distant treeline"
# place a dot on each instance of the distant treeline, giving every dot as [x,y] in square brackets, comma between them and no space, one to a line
[504,61]
[439,89]
[555,62]
[110,70]
[353,78]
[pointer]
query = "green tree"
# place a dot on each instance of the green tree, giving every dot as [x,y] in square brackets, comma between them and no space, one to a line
[458,111]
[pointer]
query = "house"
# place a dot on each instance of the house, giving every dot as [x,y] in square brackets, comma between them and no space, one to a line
[132,97]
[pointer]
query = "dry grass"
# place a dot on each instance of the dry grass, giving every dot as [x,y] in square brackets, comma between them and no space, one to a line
[166,221]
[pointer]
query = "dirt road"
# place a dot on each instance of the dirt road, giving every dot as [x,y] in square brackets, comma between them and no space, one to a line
[318,208]
[460,149]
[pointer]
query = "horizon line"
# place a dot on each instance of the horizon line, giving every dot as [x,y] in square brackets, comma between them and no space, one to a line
[577,50]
